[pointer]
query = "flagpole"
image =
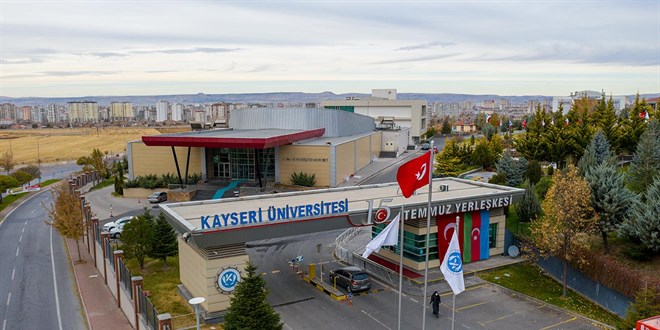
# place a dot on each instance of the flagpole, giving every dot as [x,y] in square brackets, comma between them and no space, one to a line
[453,307]
[428,236]
[400,267]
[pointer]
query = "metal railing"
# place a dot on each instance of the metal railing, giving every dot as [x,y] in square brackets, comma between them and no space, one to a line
[342,253]
[147,309]
[125,278]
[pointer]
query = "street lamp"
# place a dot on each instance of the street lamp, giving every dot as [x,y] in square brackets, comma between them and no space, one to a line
[38,160]
[196,302]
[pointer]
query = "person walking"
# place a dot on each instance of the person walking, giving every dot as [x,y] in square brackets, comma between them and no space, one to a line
[435,303]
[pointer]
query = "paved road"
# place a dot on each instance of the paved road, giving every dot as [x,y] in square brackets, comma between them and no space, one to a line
[37,288]
[302,306]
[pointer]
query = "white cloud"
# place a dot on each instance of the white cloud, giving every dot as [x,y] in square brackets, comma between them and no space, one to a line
[531,47]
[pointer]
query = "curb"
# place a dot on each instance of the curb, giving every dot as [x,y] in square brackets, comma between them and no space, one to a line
[75,275]
[13,206]
[320,287]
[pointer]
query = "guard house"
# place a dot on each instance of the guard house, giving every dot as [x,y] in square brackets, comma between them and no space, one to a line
[213,233]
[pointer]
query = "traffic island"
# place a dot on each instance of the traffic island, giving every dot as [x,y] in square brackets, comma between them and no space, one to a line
[327,288]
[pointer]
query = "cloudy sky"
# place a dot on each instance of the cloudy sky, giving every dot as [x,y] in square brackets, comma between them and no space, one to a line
[141,47]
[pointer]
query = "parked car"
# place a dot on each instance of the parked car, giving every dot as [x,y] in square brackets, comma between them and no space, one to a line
[115,232]
[351,278]
[157,197]
[435,150]
[112,224]
[426,146]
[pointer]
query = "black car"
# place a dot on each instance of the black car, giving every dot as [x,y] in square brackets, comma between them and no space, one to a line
[351,278]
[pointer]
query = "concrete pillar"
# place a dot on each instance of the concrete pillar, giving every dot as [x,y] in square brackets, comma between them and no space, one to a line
[136,281]
[84,220]
[94,223]
[119,254]
[164,321]
[105,236]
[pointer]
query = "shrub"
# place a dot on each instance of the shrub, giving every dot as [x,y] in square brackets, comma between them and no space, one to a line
[542,187]
[638,252]
[303,179]
[499,178]
[22,177]
[7,182]
[533,172]
[551,170]
[33,170]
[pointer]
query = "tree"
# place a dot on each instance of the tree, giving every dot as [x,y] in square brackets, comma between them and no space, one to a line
[22,177]
[533,172]
[609,197]
[633,126]
[645,306]
[514,170]
[249,308]
[596,153]
[137,237]
[528,207]
[119,181]
[164,241]
[645,165]
[484,155]
[567,220]
[7,161]
[644,224]
[66,214]
[608,123]
[33,170]
[446,126]
[7,182]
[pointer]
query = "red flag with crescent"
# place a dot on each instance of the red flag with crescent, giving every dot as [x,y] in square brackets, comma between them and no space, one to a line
[414,174]
[446,226]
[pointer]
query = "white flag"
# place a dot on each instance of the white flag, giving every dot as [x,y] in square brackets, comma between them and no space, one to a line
[386,237]
[452,266]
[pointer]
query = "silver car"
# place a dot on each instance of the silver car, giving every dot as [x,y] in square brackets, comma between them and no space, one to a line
[351,278]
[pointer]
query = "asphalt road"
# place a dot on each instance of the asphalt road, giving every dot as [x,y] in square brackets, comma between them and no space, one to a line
[37,286]
[303,306]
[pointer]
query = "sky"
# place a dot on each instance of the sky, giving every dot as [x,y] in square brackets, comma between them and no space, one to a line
[142,47]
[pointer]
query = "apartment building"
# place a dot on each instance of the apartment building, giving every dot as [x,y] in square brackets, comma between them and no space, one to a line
[83,112]
[121,111]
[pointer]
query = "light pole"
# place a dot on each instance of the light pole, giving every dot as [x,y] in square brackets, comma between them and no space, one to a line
[195,302]
[38,160]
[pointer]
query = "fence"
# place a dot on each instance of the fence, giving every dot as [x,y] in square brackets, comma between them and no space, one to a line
[340,252]
[147,309]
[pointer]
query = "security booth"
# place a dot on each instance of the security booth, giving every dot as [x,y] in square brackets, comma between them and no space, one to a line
[213,233]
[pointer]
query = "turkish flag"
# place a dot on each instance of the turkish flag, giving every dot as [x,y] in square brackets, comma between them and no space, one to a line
[642,114]
[414,174]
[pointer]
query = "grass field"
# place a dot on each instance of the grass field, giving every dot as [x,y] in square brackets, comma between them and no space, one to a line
[53,144]
[528,279]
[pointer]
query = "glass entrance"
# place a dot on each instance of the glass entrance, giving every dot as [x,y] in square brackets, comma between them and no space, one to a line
[223,171]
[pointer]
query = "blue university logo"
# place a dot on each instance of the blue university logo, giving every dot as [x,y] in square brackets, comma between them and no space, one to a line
[227,279]
[454,262]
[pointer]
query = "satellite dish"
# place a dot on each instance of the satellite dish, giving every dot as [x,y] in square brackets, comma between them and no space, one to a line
[513,251]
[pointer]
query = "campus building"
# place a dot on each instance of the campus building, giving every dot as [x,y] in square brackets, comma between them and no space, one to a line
[213,234]
[268,145]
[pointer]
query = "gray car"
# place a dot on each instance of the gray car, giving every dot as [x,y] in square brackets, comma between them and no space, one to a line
[351,278]
[157,197]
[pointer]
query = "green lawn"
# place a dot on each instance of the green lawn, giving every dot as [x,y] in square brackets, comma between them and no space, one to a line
[529,280]
[104,183]
[7,200]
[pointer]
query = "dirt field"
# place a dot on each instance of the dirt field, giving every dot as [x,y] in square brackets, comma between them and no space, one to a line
[53,145]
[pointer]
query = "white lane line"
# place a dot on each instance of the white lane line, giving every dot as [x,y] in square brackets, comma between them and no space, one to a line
[57,298]
[20,238]
[23,230]
[413,299]
[375,319]
[17,248]
[33,211]
[13,272]
[25,222]
[8,299]
[4,324]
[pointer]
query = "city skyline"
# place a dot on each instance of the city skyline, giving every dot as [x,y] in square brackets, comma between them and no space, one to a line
[66,49]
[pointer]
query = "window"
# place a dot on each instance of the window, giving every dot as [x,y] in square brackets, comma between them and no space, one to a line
[492,235]
[414,246]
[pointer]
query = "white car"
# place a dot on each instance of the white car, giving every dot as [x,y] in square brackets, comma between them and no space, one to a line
[112,224]
[115,232]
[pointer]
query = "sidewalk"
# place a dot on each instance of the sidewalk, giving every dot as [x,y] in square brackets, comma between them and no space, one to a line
[99,304]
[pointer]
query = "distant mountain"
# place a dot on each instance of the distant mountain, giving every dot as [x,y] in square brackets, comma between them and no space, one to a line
[276,97]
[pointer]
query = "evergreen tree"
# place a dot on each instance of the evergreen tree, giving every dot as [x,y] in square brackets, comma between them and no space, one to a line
[567,220]
[164,241]
[528,207]
[137,237]
[446,126]
[596,153]
[249,309]
[533,172]
[644,224]
[633,126]
[645,306]
[645,165]
[608,124]
[532,145]
[119,181]
[609,197]
[514,170]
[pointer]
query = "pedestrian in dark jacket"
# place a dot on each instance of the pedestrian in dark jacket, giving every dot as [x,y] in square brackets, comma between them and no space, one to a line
[435,303]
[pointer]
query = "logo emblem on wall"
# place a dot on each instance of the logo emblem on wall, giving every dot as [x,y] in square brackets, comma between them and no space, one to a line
[227,280]
[381,215]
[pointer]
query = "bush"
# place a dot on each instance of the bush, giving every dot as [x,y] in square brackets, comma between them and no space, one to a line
[152,181]
[7,182]
[551,170]
[303,179]
[638,252]
[542,187]
[33,170]
[533,172]
[22,177]
[499,178]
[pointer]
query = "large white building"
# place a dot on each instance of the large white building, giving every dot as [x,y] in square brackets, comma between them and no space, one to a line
[121,111]
[177,112]
[619,102]
[83,112]
[386,110]
[162,108]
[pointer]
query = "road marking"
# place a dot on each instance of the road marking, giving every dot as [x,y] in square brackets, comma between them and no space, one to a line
[20,238]
[275,271]
[17,248]
[8,299]
[33,211]
[57,298]
[4,324]
[470,306]
[413,299]
[23,230]
[375,319]
[497,319]
[560,323]
[13,272]
[25,222]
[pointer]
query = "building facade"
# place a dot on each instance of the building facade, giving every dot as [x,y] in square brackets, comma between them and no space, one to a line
[121,111]
[83,112]
[162,110]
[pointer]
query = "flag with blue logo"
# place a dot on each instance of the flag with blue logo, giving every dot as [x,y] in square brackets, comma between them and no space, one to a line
[452,266]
